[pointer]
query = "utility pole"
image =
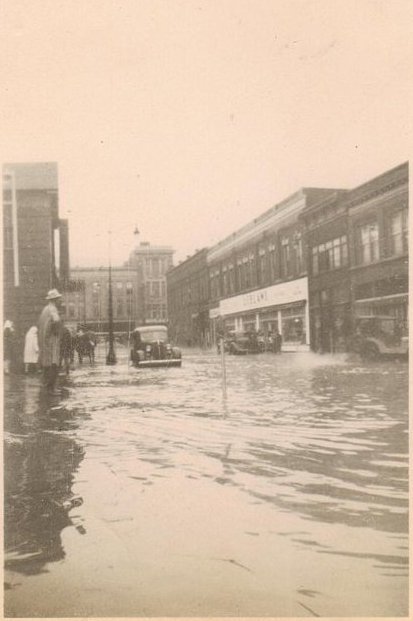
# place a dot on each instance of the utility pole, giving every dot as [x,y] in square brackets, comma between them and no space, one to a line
[111,357]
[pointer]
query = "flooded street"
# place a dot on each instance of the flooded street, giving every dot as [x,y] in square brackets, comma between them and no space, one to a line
[142,492]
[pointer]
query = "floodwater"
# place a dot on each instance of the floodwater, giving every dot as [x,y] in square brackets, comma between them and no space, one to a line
[143,492]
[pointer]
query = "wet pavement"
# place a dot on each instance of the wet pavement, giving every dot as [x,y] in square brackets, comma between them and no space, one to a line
[145,493]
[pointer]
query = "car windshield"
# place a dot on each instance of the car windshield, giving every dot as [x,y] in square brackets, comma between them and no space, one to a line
[157,334]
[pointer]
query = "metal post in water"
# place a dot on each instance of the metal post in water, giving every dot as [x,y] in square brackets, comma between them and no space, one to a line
[111,357]
[224,371]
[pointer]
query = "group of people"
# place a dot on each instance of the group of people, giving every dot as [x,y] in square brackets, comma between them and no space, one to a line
[49,346]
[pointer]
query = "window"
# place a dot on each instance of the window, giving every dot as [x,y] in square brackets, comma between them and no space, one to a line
[368,243]
[298,247]
[273,261]
[314,253]
[262,266]
[285,256]
[156,289]
[119,308]
[119,285]
[330,255]
[225,280]
[231,278]
[155,268]
[398,232]
[252,269]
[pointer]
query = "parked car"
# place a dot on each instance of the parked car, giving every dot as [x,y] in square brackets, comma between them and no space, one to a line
[380,335]
[241,343]
[151,348]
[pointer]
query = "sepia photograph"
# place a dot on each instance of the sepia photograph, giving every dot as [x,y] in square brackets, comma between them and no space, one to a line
[206,308]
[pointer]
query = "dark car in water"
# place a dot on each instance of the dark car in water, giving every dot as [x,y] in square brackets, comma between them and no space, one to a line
[241,343]
[151,348]
[379,336]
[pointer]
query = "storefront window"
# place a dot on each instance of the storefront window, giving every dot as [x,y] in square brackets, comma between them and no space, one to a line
[293,325]
[293,329]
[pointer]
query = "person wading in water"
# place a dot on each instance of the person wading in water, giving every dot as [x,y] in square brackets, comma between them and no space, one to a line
[50,328]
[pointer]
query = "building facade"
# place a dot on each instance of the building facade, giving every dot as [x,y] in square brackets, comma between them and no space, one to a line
[188,301]
[138,291]
[328,263]
[378,236]
[88,300]
[151,264]
[258,275]
[35,243]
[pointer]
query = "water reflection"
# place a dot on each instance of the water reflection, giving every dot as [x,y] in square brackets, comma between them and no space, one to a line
[40,459]
[318,449]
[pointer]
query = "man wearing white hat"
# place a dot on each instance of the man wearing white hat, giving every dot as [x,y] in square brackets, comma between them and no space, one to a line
[50,328]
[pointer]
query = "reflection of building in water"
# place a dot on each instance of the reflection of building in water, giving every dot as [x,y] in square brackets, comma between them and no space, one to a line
[38,477]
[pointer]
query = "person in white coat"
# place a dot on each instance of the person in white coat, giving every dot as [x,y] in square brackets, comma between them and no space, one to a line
[31,349]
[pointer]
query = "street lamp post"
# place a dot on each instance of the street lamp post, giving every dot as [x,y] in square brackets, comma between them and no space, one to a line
[111,357]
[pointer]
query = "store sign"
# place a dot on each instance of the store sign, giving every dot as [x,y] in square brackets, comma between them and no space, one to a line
[284,293]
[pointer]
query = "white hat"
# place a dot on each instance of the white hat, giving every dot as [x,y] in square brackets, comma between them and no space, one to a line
[53,294]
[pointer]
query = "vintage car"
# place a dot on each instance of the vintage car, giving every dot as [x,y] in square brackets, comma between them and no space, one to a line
[380,336]
[241,343]
[151,348]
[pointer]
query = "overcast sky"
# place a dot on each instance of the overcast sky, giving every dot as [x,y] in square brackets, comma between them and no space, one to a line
[188,118]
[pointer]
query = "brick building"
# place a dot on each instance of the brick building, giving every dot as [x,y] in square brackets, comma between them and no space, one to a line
[188,301]
[378,235]
[326,234]
[35,243]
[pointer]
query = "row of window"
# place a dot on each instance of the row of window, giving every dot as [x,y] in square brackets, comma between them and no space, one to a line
[330,255]
[369,245]
[156,312]
[372,244]
[252,268]
[189,292]
[96,286]
[156,267]
[155,289]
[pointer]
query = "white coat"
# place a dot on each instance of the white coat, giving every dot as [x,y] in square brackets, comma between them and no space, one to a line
[31,346]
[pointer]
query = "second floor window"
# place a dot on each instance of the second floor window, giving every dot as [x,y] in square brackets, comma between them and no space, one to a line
[330,255]
[398,232]
[285,256]
[262,266]
[368,243]
[272,261]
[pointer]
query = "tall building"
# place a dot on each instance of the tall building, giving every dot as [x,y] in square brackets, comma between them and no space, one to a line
[151,264]
[35,242]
